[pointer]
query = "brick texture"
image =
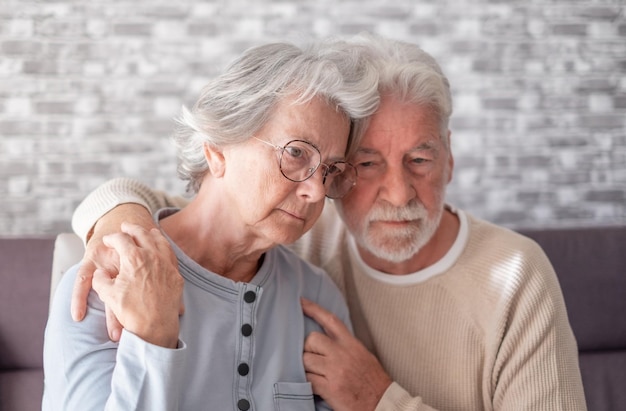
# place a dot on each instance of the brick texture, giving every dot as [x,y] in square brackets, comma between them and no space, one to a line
[88,91]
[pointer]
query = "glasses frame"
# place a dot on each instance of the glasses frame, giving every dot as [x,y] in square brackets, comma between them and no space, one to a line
[311,171]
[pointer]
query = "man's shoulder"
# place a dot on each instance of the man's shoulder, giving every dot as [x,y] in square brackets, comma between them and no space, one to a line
[498,236]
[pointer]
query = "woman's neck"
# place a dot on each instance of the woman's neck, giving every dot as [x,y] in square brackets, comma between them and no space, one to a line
[207,235]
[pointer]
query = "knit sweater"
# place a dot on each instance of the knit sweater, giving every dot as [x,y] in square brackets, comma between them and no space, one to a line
[485,328]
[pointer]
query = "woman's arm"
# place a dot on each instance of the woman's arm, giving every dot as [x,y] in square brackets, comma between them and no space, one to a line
[84,370]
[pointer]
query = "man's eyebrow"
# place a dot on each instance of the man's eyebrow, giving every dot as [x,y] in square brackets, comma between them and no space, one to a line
[364,150]
[430,145]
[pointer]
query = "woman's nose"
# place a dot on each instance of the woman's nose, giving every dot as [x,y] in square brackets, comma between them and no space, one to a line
[313,187]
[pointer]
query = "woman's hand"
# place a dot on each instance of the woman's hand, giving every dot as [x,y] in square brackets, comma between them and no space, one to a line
[146,293]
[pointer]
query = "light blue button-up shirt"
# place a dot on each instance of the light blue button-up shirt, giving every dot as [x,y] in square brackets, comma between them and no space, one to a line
[240,346]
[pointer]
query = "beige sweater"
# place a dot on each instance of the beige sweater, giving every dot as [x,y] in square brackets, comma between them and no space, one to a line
[485,328]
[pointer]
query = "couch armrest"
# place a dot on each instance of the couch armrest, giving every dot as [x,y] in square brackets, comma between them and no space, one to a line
[68,250]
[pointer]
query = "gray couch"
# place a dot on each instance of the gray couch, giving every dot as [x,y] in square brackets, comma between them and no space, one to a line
[590,263]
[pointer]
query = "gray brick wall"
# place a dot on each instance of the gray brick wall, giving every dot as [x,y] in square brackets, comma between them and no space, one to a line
[88,90]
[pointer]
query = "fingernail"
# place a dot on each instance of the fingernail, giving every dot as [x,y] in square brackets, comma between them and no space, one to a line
[77,315]
[115,335]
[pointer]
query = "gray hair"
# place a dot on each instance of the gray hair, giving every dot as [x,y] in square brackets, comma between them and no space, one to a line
[410,74]
[235,105]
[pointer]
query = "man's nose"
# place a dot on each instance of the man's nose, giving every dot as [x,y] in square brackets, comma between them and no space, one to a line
[397,186]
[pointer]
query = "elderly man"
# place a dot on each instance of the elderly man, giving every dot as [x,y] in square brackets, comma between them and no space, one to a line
[450,312]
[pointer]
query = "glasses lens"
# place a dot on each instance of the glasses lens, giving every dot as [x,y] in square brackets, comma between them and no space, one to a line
[340,178]
[299,160]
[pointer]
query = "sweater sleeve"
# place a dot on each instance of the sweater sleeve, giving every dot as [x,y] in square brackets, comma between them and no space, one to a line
[397,398]
[115,192]
[536,366]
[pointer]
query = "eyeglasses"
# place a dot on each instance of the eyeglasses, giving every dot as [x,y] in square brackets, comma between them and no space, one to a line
[299,160]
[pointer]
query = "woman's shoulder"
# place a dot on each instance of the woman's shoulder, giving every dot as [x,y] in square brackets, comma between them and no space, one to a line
[307,279]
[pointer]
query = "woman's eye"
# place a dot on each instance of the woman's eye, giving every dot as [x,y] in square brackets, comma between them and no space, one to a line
[294,151]
[366,164]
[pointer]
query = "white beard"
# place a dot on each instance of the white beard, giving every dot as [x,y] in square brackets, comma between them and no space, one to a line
[398,244]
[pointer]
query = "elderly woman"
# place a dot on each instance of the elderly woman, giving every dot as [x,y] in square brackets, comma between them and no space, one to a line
[262,148]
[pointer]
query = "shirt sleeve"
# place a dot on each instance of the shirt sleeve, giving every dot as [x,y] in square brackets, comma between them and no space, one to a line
[115,192]
[84,370]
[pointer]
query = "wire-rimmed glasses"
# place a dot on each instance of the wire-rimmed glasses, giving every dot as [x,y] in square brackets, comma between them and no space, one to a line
[300,159]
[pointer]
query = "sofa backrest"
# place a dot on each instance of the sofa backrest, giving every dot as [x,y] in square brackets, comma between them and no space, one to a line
[591,266]
[24,292]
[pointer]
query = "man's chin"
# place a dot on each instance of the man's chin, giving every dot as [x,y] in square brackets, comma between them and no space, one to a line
[393,249]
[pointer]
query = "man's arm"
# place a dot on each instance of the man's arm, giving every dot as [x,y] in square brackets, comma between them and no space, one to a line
[113,193]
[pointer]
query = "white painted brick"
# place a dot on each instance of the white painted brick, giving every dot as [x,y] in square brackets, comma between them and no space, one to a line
[89,90]
[20,27]
[600,103]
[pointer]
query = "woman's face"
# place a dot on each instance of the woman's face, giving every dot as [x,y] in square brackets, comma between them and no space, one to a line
[260,196]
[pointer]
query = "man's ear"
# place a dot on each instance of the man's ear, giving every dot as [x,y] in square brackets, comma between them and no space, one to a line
[215,159]
[450,158]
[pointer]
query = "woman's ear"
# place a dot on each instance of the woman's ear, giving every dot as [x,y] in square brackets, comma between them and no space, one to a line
[215,159]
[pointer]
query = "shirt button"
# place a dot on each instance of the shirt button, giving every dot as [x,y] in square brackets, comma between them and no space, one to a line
[249,296]
[243,369]
[243,405]
[246,330]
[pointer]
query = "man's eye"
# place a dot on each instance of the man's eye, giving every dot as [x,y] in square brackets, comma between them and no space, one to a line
[418,160]
[367,164]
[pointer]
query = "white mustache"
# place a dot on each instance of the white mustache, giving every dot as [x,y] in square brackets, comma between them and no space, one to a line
[385,212]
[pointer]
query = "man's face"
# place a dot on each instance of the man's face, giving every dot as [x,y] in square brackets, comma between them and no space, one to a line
[404,167]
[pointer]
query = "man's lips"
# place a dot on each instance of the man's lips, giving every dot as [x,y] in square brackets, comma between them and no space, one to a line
[393,223]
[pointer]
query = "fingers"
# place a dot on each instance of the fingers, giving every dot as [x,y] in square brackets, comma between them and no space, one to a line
[318,343]
[114,328]
[314,363]
[318,382]
[181,307]
[82,286]
[142,236]
[332,325]
[102,283]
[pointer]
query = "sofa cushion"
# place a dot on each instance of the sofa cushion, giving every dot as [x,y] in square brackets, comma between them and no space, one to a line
[604,375]
[591,266]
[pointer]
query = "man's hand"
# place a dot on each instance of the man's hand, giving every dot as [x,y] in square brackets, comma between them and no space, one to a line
[99,256]
[146,293]
[340,369]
